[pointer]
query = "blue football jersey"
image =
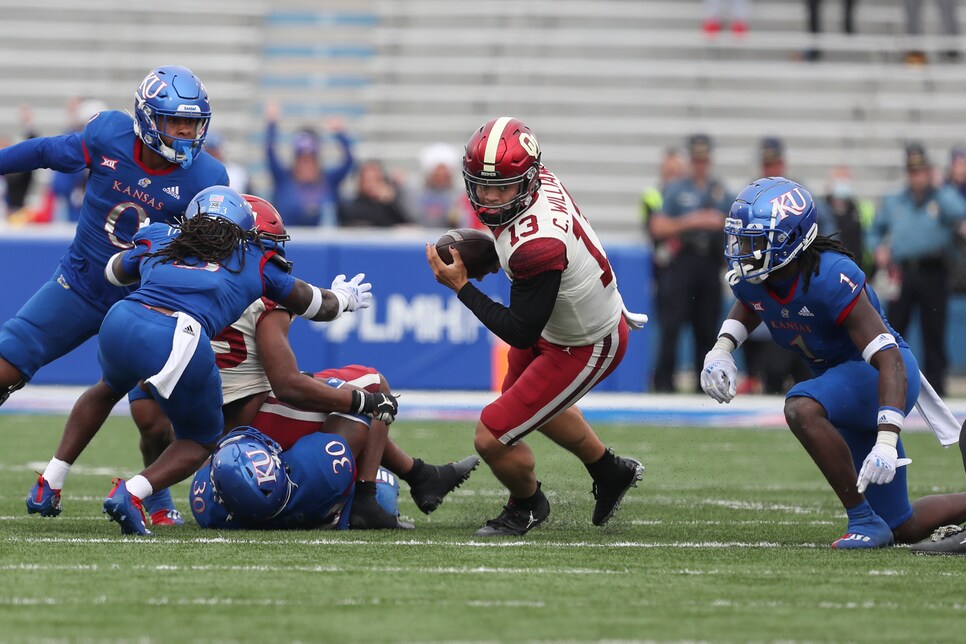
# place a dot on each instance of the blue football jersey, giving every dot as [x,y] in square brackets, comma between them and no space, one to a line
[322,471]
[811,323]
[210,293]
[122,195]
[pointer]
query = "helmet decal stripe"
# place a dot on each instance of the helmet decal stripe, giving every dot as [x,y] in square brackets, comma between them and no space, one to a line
[493,143]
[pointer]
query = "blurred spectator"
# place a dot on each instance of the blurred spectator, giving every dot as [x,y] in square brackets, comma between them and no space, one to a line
[947,19]
[957,170]
[771,369]
[841,212]
[18,184]
[915,231]
[377,202]
[714,17]
[673,167]
[815,23]
[691,223]
[307,194]
[238,175]
[437,198]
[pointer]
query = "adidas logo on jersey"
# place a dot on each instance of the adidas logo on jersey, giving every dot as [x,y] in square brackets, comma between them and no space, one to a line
[805,313]
[174,191]
[190,330]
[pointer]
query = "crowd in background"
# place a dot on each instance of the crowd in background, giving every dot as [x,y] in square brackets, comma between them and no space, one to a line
[911,245]
[683,218]
[308,186]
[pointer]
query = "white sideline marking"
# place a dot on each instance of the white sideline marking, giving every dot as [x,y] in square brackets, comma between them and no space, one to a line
[98,600]
[710,522]
[416,542]
[457,570]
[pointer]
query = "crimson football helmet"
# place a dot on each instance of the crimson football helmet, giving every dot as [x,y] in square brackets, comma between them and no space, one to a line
[502,153]
[268,222]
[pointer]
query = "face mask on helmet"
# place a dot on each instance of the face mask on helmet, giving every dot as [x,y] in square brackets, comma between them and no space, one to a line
[171,113]
[222,202]
[248,476]
[501,169]
[771,222]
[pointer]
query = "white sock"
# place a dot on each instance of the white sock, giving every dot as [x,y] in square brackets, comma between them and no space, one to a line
[56,473]
[140,487]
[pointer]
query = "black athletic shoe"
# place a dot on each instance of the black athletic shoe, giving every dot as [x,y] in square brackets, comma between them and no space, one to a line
[440,480]
[367,514]
[515,521]
[947,540]
[610,490]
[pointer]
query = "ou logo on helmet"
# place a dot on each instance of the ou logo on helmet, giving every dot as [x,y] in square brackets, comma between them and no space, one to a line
[529,143]
[793,202]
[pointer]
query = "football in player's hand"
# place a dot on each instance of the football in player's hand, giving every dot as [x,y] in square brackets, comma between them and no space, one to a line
[475,247]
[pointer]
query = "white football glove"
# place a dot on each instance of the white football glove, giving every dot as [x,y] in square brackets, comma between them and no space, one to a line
[880,466]
[354,294]
[719,376]
[635,321]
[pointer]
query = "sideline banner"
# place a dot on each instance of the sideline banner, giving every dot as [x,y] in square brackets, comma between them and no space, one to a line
[417,333]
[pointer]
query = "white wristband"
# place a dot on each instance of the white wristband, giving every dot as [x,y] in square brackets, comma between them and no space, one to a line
[314,305]
[725,344]
[879,342]
[735,329]
[889,416]
[109,271]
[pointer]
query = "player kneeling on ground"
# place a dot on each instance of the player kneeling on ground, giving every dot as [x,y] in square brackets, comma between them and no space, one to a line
[816,301]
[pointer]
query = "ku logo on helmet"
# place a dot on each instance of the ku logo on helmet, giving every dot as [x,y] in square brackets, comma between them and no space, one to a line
[152,86]
[792,202]
[264,465]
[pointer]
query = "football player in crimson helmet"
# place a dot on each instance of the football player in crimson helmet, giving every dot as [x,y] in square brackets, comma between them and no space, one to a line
[268,222]
[501,168]
[566,324]
[849,415]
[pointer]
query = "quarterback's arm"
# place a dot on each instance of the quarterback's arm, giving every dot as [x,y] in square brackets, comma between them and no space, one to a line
[64,153]
[289,384]
[531,303]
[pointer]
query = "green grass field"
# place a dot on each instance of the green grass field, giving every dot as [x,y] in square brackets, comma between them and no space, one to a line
[726,539]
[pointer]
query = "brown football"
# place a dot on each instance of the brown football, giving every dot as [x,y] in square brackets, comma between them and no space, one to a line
[476,247]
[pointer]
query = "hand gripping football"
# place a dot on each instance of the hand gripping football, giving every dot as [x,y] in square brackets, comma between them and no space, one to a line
[476,247]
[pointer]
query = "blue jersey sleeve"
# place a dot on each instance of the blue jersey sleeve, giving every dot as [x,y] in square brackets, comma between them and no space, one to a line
[65,153]
[278,282]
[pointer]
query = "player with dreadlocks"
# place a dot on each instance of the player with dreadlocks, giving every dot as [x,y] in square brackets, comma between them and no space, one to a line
[196,278]
[815,300]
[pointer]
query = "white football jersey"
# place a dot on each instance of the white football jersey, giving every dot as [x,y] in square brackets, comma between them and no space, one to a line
[236,354]
[588,304]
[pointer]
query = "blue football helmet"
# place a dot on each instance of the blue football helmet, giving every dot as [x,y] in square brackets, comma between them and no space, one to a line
[771,222]
[248,476]
[222,202]
[171,92]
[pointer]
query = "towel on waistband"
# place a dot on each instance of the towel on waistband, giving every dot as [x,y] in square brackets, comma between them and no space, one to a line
[936,414]
[183,344]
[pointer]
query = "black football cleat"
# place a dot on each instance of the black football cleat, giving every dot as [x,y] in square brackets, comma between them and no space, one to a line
[947,540]
[367,514]
[440,480]
[610,490]
[515,521]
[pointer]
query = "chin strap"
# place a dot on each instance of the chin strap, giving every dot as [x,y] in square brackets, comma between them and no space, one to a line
[5,393]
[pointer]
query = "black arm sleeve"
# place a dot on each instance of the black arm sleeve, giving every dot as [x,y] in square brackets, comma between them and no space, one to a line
[531,303]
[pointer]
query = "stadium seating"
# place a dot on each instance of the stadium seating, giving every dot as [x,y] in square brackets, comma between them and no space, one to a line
[607,85]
